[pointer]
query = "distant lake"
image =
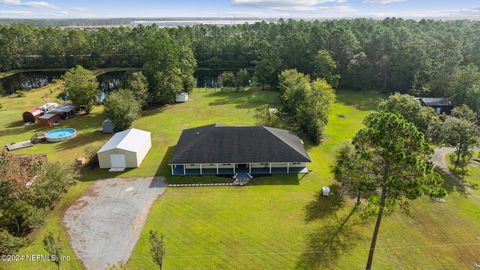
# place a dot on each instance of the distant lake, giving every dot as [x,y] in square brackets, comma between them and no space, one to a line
[25,81]
[174,23]
[108,81]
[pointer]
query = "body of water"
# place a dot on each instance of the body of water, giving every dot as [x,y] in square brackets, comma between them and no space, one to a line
[25,81]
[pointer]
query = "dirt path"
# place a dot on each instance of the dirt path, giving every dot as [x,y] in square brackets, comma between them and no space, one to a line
[106,222]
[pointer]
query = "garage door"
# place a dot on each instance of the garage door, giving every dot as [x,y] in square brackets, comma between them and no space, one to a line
[118,161]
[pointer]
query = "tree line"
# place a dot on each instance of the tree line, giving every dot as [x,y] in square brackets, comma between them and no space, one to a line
[427,57]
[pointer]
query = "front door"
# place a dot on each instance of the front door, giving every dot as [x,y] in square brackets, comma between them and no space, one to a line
[242,166]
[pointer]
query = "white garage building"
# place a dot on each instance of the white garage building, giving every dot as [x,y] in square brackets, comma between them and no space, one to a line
[125,149]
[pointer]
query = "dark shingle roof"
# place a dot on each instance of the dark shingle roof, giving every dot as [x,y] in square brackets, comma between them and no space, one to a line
[435,101]
[238,144]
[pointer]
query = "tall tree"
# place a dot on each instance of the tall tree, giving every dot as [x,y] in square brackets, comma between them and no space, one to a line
[352,172]
[400,169]
[227,79]
[138,84]
[242,78]
[122,108]
[81,87]
[462,134]
[325,67]
[411,109]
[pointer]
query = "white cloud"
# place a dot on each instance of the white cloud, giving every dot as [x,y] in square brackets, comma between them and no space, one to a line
[291,8]
[284,3]
[383,2]
[15,12]
[79,9]
[33,4]
[63,12]
[468,13]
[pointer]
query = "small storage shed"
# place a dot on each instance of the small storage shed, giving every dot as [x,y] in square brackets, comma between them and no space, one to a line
[182,97]
[32,115]
[125,149]
[48,119]
[326,191]
[107,126]
[440,105]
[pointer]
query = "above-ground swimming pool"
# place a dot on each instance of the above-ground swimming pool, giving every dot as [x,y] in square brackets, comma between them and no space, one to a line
[59,135]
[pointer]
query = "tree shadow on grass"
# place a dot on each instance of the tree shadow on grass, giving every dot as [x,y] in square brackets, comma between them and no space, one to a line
[453,183]
[328,242]
[323,206]
[241,99]
[362,100]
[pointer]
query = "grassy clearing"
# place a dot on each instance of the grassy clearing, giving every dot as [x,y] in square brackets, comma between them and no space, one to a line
[277,223]
[289,226]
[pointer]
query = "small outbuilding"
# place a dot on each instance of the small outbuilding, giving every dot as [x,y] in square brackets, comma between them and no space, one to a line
[125,149]
[49,119]
[32,115]
[65,111]
[108,126]
[326,191]
[440,105]
[182,97]
[48,106]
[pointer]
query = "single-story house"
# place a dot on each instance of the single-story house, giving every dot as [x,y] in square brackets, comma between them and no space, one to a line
[108,126]
[182,97]
[440,105]
[32,115]
[126,149]
[65,111]
[48,119]
[233,150]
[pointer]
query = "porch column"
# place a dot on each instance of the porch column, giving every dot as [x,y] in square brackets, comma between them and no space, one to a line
[217,168]
[233,168]
[270,167]
[184,170]
[201,169]
[171,166]
[250,168]
[288,167]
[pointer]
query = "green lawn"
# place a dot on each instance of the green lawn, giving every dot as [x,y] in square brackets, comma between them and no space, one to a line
[276,223]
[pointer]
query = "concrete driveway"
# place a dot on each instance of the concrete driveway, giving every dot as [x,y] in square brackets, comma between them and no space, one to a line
[106,222]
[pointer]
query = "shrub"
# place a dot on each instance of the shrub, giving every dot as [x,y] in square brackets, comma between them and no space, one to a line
[122,108]
[8,243]
[20,93]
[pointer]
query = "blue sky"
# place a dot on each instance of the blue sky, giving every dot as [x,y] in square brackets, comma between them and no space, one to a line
[238,8]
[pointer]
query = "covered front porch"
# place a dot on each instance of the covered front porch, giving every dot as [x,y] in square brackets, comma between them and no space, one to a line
[234,168]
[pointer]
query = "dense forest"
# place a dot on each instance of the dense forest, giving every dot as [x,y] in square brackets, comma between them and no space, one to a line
[434,58]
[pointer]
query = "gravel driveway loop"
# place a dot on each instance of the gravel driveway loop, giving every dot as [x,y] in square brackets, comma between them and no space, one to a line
[105,223]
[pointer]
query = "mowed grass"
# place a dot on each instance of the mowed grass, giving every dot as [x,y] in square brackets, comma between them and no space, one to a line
[289,226]
[277,222]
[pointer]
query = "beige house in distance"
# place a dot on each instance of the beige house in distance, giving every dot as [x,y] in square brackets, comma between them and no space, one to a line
[126,149]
